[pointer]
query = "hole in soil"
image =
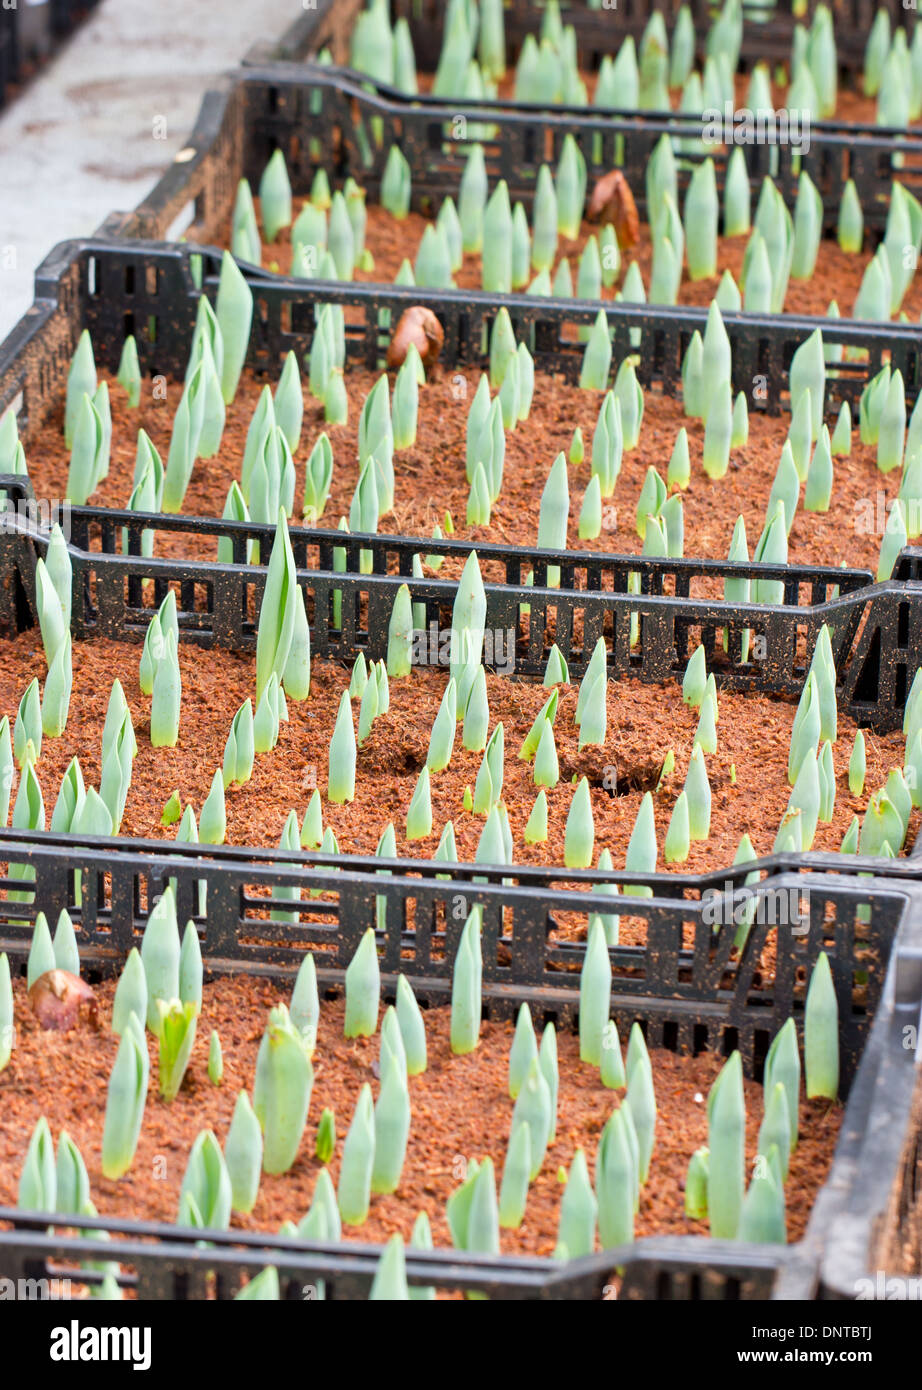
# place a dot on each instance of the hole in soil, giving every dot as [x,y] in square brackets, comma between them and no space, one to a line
[623,779]
[400,760]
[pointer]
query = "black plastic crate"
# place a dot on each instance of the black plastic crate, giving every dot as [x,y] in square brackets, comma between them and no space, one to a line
[685,999]
[165,1262]
[877,629]
[288,106]
[116,288]
[113,897]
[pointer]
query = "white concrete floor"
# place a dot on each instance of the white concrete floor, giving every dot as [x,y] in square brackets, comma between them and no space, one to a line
[93,132]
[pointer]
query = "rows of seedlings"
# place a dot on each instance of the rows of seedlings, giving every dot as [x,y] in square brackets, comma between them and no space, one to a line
[107,1151]
[435,43]
[496,1056]
[580,226]
[154,711]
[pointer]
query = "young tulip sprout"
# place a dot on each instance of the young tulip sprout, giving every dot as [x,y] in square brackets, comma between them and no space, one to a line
[175,1029]
[782,1064]
[466,988]
[363,989]
[808,228]
[851,227]
[776,1125]
[696,1186]
[400,635]
[580,831]
[190,968]
[597,357]
[513,1193]
[857,765]
[234,312]
[676,848]
[354,1191]
[698,793]
[419,812]
[206,1195]
[553,516]
[892,426]
[412,1028]
[616,1181]
[243,1154]
[476,714]
[125,1100]
[81,380]
[762,1213]
[718,431]
[595,995]
[612,1074]
[895,539]
[556,672]
[608,444]
[392,1127]
[821,1033]
[262,1288]
[281,1090]
[547,769]
[275,196]
[701,216]
[41,951]
[496,256]
[578,1210]
[390,1281]
[641,1103]
[533,1108]
[342,758]
[396,184]
[726,1154]
[38,1179]
[523,1053]
[28,727]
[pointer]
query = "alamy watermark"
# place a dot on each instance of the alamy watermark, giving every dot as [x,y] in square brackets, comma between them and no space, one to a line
[35,513]
[751,906]
[435,646]
[741,126]
[888,1287]
[34,1290]
[872,514]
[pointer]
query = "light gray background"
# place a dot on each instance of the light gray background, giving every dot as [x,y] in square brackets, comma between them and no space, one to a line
[80,142]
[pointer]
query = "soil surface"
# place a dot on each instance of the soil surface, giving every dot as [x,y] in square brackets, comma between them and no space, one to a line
[643,723]
[460,1110]
[431,479]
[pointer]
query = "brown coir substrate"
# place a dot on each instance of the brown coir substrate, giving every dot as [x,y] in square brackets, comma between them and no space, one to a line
[460,1110]
[643,722]
[430,476]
